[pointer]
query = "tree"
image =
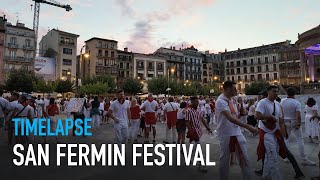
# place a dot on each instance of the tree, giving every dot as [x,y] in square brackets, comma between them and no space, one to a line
[21,81]
[256,87]
[43,87]
[158,85]
[64,86]
[103,79]
[132,86]
[96,88]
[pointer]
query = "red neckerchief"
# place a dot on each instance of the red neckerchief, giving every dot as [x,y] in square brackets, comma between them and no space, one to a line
[120,101]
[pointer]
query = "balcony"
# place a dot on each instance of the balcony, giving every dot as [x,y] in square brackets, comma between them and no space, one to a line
[29,48]
[140,67]
[150,68]
[67,43]
[18,59]
[160,69]
[9,45]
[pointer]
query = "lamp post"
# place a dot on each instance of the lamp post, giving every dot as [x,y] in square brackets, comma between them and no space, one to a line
[78,77]
[172,70]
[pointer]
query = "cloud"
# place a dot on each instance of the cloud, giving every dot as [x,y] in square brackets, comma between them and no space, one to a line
[141,38]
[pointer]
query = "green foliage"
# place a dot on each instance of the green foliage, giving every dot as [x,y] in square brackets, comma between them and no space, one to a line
[20,80]
[64,86]
[158,85]
[44,87]
[132,86]
[96,88]
[109,80]
[256,87]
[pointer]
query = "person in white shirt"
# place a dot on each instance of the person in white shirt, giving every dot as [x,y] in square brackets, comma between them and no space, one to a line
[150,108]
[170,115]
[208,111]
[3,107]
[272,129]
[252,110]
[119,111]
[292,119]
[229,133]
[40,107]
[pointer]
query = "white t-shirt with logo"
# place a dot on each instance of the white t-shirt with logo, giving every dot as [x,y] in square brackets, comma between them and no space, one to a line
[226,127]
[290,107]
[120,111]
[267,107]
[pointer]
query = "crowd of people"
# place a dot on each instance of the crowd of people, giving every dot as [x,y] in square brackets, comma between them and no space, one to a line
[274,120]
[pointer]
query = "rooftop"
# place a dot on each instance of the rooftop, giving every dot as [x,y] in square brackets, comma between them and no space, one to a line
[101,39]
[63,32]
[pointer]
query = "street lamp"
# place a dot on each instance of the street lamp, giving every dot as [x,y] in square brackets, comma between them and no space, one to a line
[78,77]
[172,70]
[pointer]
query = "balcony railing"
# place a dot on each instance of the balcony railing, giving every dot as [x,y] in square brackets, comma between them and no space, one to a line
[28,47]
[9,45]
[67,43]
[18,58]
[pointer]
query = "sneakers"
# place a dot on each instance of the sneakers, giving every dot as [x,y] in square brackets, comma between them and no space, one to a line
[307,162]
[286,160]
[259,172]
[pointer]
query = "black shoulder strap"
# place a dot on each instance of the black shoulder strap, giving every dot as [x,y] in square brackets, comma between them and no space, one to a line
[171,106]
[21,111]
[274,109]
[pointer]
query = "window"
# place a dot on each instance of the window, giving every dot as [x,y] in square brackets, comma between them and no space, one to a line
[100,61]
[252,69]
[259,68]
[232,78]
[266,60]
[105,53]
[28,43]
[238,63]
[66,72]
[251,61]
[99,53]
[13,41]
[252,78]
[238,70]
[239,78]
[259,61]
[67,51]
[112,54]
[121,65]
[27,55]
[259,76]
[245,70]
[275,75]
[267,77]
[244,62]
[245,78]
[160,66]
[274,67]
[140,64]
[227,64]
[267,67]
[12,54]
[150,65]
[67,62]
[274,59]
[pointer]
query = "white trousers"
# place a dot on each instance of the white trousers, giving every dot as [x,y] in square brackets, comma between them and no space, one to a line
[314,128]
[134,128]
[95,121]
[53,123]
[299,137]
[271,163]
[224,161]
[121,133]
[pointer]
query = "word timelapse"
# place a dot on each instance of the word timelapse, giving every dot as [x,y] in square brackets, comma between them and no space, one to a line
[113,155]
[42,127]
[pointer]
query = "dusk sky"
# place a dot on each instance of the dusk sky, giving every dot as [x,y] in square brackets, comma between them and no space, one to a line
[145,25]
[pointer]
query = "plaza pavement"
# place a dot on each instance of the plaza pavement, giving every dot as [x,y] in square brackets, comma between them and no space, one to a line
[105,135]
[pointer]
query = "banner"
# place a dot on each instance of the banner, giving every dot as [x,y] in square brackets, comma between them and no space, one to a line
[45,67]
[75,104]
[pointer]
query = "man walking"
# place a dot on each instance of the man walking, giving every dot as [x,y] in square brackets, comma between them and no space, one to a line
[150,108]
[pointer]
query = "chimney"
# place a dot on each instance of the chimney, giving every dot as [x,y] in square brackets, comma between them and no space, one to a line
[225,50]
[174,48]
[206,52]
[125,49]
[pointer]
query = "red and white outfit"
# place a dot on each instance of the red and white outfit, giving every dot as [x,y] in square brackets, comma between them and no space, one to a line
[134,122]
[171,109]
[230,138]
[150,112]
[271,141]
[194,130]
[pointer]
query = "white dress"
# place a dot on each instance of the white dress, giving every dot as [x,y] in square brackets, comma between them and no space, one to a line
[311,127]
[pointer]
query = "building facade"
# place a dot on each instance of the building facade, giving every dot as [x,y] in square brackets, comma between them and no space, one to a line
[2,38]
[175,62]
[193,64]
[19,47]
[63,47]
[289,66]
[308,44]
[125,65]
[146,67]
[102,59]
[253,64]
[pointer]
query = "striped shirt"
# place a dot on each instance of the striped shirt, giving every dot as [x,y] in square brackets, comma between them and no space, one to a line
[194,116]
